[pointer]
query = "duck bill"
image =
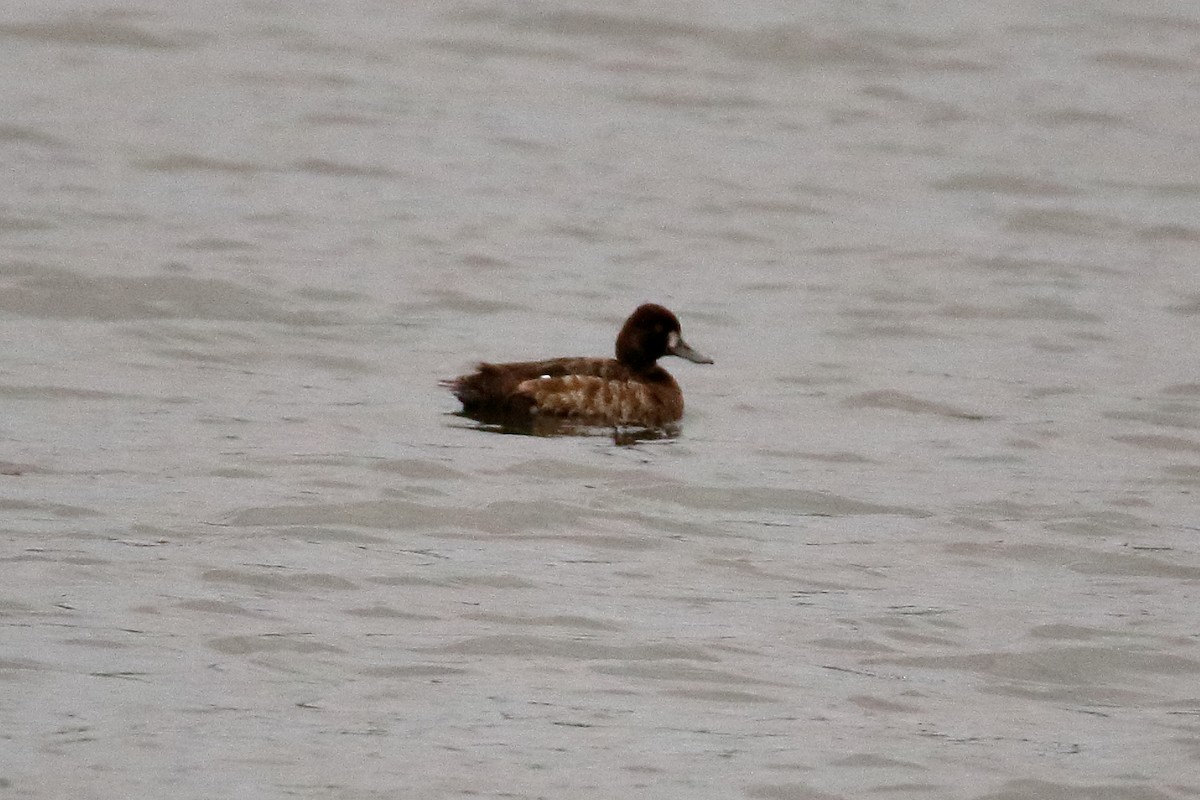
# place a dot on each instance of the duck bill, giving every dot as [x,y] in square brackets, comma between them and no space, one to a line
[678,347]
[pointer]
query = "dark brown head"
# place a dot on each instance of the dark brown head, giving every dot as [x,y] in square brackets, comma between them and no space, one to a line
[650,333]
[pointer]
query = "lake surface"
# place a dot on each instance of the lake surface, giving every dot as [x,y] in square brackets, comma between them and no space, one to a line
[929,528]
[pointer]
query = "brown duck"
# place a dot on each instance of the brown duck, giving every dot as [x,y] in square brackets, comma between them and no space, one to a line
[629,390]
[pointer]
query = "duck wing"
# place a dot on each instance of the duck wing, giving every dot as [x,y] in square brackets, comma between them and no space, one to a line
[497,384]
[602,400]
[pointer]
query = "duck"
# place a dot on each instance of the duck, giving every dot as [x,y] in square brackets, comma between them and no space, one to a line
[629,390]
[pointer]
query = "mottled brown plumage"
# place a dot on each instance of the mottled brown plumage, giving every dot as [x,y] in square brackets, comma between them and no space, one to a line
[628,390]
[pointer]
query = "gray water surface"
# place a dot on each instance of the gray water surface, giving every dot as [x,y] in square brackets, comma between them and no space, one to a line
[928,529]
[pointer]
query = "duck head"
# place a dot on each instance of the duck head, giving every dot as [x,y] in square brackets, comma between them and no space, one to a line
[650,333]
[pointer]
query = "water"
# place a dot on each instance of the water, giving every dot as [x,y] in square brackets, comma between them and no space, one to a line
[928,528]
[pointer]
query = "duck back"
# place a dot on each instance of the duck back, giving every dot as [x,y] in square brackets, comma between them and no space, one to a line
[495,385]
[599,390]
